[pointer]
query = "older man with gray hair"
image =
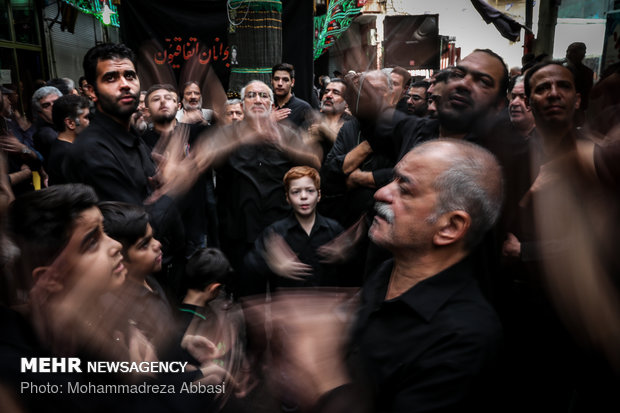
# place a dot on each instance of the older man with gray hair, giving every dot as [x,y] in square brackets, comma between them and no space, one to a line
[425,335]
[42,102]
[424,338]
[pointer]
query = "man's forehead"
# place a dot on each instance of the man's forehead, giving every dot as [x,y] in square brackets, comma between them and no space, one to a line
[518,88]
[192,88]
[234,106]
[282,74]
[335,86]
[484,63]
[114,64]
[257,87]
[163,92]
[552,70]
[48,98]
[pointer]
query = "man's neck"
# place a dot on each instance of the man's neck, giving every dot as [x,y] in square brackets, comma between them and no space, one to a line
[410,269]
[554,137]
[306,222]
[166,127]
[445,133]
[125,123]
[281,101]
[525,130]
[333,118]
[67,136]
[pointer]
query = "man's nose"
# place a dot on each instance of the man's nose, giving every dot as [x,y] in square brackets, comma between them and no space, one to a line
[383,194]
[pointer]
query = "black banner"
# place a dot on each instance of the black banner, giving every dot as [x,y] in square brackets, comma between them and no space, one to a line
[177,41]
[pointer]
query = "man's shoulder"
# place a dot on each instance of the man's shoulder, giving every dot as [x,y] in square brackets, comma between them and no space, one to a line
[468,316]
[298,103]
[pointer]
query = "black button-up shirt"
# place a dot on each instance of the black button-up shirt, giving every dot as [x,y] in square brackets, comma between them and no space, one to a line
[304,246]
[427,349]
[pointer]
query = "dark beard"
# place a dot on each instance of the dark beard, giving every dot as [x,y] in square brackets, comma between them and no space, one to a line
[111,107]
[163,118]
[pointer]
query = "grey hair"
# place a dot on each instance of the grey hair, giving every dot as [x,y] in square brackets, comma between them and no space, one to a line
[70,83]
[519,80]
[251,82]
[39,94]
[472,183]
[233,102]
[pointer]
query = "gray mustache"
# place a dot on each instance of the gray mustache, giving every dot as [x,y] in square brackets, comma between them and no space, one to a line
[384,211]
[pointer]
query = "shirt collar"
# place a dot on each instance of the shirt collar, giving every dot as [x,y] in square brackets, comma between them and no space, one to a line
[115,129]
[291,222]
[429,295]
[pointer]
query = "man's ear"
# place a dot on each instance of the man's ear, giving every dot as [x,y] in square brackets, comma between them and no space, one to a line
[212,289]
[578,101]
[47,282]
[319,195]
[292,82]
[453,227]
[70,124]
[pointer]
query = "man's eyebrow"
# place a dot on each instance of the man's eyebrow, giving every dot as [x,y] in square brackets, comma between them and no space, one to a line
[401,177]
[89,236]
[474,72]
[145,240]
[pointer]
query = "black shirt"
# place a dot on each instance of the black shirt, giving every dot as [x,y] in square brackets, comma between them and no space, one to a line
[43,138]
[56,157]
[300,111]
[429,348]
[304,246]
[117,164]
[339,202]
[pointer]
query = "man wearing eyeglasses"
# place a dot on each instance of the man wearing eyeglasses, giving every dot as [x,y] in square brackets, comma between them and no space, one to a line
[42,103]
[250,184]
[417,100]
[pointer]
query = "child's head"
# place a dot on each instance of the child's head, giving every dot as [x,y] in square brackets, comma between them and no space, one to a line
[207,269]
[129,225]
[303,189]
[59,231]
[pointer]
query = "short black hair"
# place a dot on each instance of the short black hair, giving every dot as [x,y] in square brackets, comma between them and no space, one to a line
[421,83]
[126,223]
[104,51]
[442,76]
[159,86]
[338,80]
[67,106]
[205,267]
[503,83]
[536,68]
[42,222]
[284,66]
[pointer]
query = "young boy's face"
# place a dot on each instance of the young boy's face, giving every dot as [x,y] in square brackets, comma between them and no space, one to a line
[144,257]
[94,260]
[303,196]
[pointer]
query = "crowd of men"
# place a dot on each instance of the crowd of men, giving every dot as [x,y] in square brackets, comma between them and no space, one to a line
[476,270]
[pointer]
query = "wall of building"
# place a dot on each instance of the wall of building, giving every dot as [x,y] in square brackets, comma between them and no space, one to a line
[65,49]
[460,19]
